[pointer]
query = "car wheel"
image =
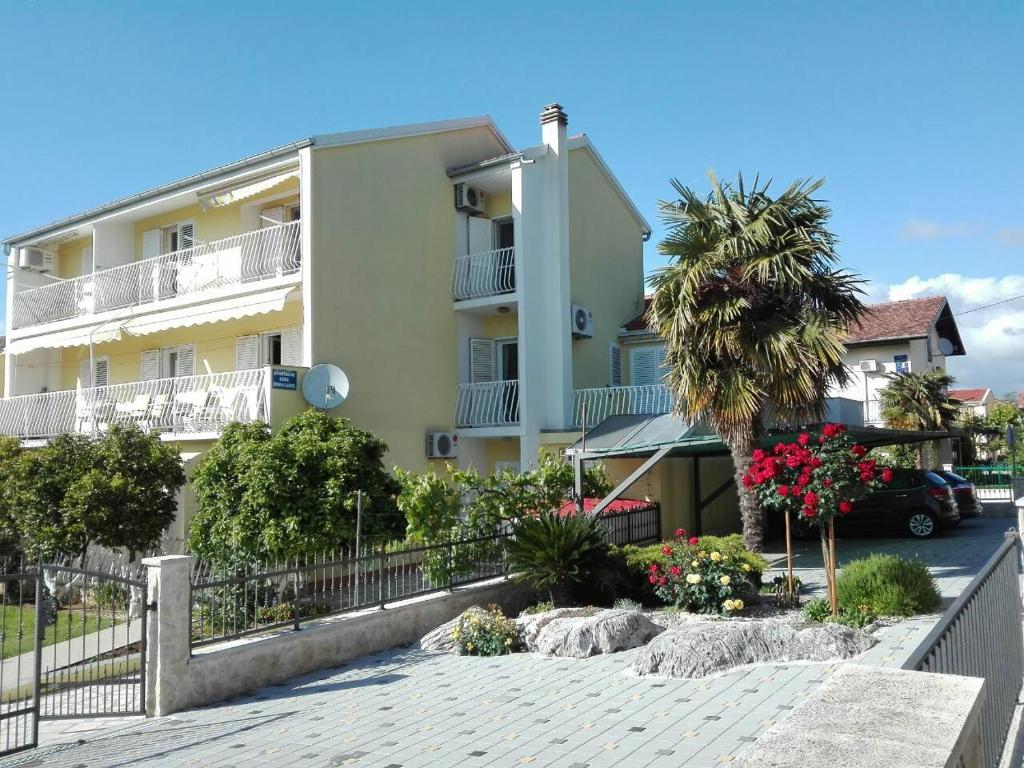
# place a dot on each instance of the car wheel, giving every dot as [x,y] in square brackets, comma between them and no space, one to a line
[922,525]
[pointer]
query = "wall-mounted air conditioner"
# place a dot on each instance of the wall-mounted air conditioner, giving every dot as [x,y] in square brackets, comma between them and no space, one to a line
[469,199]
[581,321]
[442,445]
[868,366]
[36,259]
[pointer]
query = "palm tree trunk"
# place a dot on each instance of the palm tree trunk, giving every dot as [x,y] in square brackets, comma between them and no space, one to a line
[741,446]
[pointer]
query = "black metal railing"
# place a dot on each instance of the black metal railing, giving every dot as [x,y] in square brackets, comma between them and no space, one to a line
[233,601]
[229,602]
[980,636]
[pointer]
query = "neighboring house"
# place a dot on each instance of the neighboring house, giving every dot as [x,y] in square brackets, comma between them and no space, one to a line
[909,336]
[973,401]
[466,287]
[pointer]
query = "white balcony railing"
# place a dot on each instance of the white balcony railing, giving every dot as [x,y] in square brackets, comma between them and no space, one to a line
[479,275]
[873,413]
[248,257]
[602,402]
[490,404]
[187,405]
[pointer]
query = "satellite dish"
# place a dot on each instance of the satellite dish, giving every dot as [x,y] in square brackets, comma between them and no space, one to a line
[325,386]
[946,347]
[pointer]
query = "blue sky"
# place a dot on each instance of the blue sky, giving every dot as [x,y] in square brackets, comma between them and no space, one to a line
[911,111]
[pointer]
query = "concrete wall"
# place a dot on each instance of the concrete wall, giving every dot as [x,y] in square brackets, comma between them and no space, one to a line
[174,681]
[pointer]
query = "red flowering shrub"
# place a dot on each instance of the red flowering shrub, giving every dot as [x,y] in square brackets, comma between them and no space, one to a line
[818,479]
[698,578]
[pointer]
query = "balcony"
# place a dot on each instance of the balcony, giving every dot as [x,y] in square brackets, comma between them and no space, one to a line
[193,405]
[481,275]
[602,402]
[249,257]
[488,404]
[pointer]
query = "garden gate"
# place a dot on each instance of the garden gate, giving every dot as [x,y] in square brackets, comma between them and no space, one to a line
[74,646]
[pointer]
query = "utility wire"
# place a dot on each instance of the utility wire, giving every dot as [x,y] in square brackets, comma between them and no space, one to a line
[987,306]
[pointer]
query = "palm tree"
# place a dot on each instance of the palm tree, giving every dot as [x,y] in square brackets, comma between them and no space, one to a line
[753,313]
[919,401]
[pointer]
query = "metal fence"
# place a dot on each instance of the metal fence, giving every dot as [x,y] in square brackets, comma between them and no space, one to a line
[232,601]
[991,482]
[980,636]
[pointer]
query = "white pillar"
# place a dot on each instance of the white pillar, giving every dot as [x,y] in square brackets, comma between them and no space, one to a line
[306,246]
[168,631]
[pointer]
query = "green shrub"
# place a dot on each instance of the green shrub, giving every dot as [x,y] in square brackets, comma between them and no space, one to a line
[888,586]
[553,553]
[111,595]
[638,558]
[542,607]
[697,579]
[625,604]
[488,634]
[820,611]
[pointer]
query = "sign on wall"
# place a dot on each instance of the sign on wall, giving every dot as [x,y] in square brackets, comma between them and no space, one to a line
[902,363]
[284,379]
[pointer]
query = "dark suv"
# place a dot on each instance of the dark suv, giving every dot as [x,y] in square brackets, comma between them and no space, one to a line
[916,502]
[964,492]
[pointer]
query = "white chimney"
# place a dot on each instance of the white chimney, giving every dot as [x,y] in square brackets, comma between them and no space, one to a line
[553,125]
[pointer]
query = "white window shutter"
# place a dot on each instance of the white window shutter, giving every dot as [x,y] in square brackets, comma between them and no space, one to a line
[186,235]
[614,365]
[151,241]
[102,377]
[270,217]
[481,360]
[186,360]
[149,365]
[291,346]
[481,234]
[84,375]
[247,353]
[643,362]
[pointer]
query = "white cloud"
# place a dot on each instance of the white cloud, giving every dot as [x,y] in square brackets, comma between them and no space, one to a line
[992,336]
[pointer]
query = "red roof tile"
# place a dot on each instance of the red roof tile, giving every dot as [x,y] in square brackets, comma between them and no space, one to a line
[967,395]
[909,319]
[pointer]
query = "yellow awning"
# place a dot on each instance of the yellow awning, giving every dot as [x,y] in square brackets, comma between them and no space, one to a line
[227,309]
[76,337]
[220,199]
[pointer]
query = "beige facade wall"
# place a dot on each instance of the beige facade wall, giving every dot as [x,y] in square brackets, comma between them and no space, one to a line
[381,307]
[606,265]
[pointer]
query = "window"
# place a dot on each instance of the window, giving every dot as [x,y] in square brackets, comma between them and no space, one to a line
[646,364]
[100,375]
[504,233]
[177,237]
[282,347]
[508,359]
[294,212]
[614,365]
[177,362]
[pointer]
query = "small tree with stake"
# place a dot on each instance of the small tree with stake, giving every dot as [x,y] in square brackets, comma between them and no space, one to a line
[818,478]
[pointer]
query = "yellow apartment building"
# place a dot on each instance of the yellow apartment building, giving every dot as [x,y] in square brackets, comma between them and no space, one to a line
[473,292]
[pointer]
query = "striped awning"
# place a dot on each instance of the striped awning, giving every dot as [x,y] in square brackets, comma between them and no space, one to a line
[227,197]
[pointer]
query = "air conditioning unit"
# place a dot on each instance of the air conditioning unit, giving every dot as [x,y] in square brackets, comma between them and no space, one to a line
[36,259]
[442,445]
[581,321]
[469,199]
[868,366]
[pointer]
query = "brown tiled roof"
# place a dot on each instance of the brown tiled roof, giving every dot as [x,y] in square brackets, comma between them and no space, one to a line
[967,395]
[908,319]
[639,323]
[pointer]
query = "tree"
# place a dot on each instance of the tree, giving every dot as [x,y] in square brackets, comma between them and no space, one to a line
[129,497]
[263,495]
[753,313]
[117,490]
[918,401]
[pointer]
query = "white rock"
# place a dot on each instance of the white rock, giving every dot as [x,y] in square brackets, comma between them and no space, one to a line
[607,631]
[704,648]
[440,638]
[529,625]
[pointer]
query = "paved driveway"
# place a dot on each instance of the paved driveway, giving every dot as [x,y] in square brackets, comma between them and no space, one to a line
[412,709]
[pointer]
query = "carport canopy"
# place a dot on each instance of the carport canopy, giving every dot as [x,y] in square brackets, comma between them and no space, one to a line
[655,437]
